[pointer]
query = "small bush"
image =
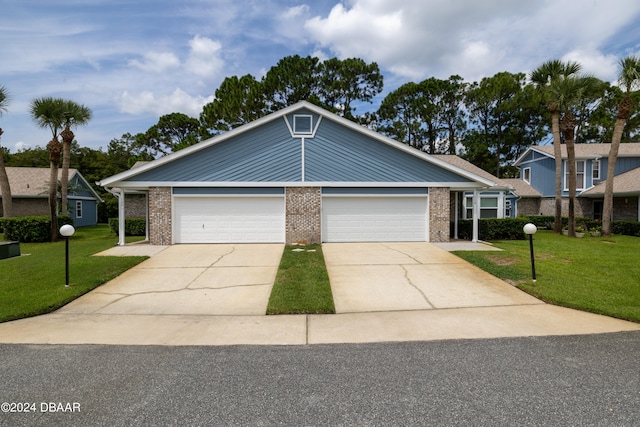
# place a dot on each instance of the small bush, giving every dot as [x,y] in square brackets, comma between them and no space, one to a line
[627,228]
[30,229]
[132,226]
[493,229]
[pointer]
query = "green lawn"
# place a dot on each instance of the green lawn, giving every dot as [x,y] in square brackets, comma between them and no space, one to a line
[596,274]
[34,283]
[302,283]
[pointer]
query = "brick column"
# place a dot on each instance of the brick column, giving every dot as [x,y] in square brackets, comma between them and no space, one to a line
[160,215]
[439,215]
[303,214]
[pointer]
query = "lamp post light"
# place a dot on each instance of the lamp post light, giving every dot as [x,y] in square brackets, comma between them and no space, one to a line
[531,229]
[67,231]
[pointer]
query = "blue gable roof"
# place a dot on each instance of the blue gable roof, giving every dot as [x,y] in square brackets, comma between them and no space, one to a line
[301,144]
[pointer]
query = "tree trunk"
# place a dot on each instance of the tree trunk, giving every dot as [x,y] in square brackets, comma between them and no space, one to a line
[557,153]
[55,149]
[607,210]
[5,188]
[67,138]
[568,126]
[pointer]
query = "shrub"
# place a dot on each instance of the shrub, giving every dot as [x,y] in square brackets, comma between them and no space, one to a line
[132,226]
[493,229]
[628,228]
[30,229]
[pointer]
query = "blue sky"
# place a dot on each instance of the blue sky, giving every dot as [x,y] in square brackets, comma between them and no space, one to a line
[133,61]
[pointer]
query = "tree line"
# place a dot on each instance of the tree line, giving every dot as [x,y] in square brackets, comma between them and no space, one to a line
[490,123]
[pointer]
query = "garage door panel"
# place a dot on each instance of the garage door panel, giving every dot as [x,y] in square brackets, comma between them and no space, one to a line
[229,219]
[369,219]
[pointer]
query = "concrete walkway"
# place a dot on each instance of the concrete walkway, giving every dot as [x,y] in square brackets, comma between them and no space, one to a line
[217,295]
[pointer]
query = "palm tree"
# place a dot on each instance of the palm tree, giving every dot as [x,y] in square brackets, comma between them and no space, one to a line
[543,77]
[5,188]
[569,93]
[48,113]
[74,115]
[629,78]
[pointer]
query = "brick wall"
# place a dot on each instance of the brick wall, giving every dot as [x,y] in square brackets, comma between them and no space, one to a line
[28,207]
[160,215]
[135,206]
[439,217]
[583,207]
[529,206]
[303,214]
[625,208]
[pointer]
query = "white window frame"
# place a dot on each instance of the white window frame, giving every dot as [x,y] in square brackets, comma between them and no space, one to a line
[579,186]
[595,170]
[305,132]
[78,208]
[526,175]
[468,206]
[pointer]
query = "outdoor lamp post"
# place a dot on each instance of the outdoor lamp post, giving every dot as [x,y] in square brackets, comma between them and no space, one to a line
[531,229]
[67,231]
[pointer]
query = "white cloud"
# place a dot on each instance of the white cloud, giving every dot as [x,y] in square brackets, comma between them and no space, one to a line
[204,57]
[594,62]
[20,145]
[149,102]
[156,62]
[418,38]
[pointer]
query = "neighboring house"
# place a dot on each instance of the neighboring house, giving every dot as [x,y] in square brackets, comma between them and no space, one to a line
[302,174]
[30,194]
[536,189]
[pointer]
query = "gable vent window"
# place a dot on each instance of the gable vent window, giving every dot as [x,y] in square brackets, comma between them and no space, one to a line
[302,124]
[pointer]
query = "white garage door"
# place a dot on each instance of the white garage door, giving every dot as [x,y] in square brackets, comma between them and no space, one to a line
[246,219]
[374,219]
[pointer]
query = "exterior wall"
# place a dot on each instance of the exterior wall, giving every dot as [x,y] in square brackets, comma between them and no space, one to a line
[160,216]
[135,206]
[303,215]
[89,212]
[439,214]
[625,208]
[583,207]
[29,207]
[529,206]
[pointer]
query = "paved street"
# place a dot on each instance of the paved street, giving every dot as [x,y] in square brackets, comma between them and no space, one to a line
[574,380]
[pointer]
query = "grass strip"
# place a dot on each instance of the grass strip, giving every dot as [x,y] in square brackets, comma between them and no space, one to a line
[302,283]
[594,274]
[34,283]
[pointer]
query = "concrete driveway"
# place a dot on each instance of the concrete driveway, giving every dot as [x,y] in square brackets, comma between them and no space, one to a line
[218,294]
[368,277]
[233,279]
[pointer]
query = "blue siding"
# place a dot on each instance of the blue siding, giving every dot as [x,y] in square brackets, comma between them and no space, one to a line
[341,154]
[269,154]
[89,212]
[264,154]
[543,172]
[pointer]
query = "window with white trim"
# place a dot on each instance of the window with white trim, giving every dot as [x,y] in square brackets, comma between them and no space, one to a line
[302,124]
[595,169]
[580,175]
[488,207]
[78,209]
[507,208]
[526,175]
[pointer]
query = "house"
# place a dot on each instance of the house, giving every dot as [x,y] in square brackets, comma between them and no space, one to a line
[299,174]
[30,194]
[536,189]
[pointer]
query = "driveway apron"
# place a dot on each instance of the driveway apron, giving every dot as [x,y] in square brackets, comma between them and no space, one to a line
[367,277]
[225,279]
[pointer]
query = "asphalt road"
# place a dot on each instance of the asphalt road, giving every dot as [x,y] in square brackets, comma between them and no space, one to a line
[576,380]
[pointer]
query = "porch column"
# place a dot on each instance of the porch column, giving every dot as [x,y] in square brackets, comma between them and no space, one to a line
[456,215]
[476,214]
[121,218]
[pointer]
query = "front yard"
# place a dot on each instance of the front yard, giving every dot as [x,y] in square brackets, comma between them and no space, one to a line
[34,283]
[595,274]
